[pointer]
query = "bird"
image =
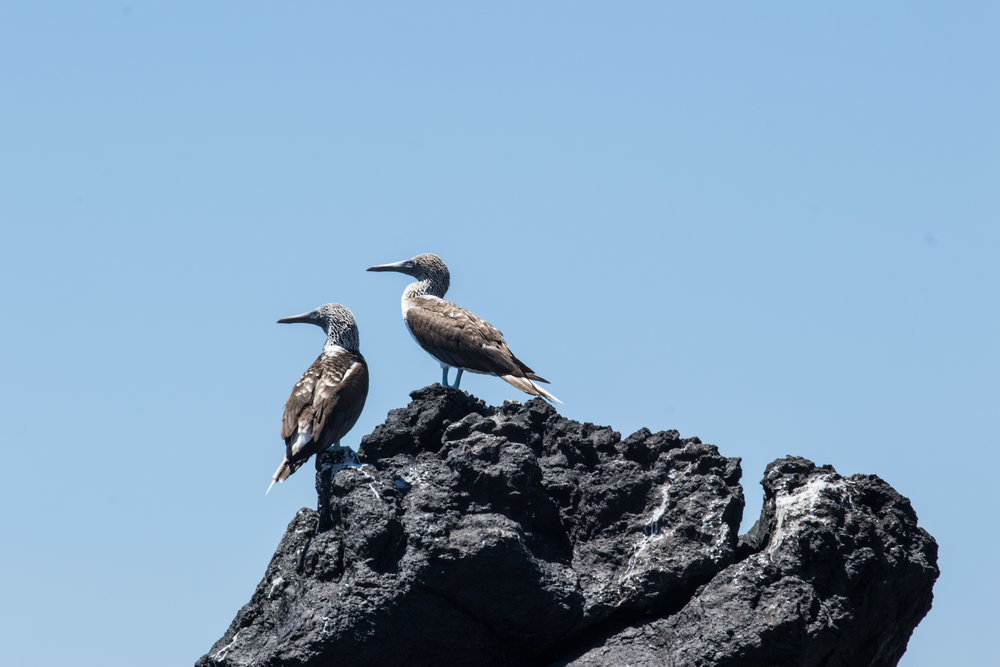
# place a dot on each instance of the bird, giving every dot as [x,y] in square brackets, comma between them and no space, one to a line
[329,397]
[454,336]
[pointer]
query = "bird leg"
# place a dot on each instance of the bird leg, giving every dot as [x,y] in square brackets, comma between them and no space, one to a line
[444,377]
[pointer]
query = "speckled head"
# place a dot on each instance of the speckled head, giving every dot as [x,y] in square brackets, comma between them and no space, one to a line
[336,320]
[426,268]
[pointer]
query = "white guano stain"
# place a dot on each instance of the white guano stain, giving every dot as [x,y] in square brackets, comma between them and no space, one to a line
[801,502]
[651,533]
[222,652]
[274,584]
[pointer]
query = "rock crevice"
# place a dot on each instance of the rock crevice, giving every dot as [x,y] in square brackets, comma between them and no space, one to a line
[510,535]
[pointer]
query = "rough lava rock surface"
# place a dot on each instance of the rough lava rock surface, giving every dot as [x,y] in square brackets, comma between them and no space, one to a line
[511,536]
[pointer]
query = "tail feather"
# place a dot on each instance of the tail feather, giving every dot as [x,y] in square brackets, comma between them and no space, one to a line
[283,472]
[529,387]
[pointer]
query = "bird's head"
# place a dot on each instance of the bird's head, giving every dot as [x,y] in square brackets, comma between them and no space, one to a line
[422,267]
[336,320]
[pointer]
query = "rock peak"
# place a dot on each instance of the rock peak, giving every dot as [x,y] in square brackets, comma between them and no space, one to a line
[510,535]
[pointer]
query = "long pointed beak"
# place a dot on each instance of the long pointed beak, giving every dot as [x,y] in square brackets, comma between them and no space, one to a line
[304,318]
[402,267]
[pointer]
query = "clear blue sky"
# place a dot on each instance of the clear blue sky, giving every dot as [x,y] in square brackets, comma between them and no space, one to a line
[775,228]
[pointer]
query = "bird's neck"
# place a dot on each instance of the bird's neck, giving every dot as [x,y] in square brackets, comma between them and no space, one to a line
[425,287]
[344,338]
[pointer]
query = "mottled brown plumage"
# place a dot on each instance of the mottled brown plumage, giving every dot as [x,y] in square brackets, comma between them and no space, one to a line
[325,403]
[451,334]
[461,339]
[329,397]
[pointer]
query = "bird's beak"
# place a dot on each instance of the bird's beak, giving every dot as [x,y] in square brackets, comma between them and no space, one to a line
[402,267]
[304,318]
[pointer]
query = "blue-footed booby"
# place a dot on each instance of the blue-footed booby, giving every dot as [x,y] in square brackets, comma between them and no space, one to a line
[328,398]
[451,334]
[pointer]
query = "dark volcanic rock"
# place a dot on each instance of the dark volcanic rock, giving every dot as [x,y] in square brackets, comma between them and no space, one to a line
[513,536]
[836,572]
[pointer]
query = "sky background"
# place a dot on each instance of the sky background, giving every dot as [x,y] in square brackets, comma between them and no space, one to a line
[775,228]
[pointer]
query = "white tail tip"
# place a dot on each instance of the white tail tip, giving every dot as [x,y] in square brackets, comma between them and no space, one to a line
[549,396]
[529,387]
[269,488]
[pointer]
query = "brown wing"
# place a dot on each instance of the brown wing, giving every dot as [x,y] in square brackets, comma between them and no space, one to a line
[301,400]
[328,399]
[339,403]
[461,339]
